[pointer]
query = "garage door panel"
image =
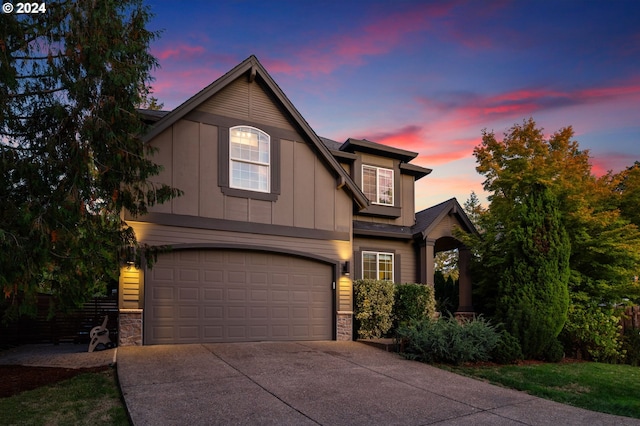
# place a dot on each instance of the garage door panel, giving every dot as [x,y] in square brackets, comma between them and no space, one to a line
[213,276]
[279,279]
[188,312]
[189,293]
[163,312]
[212,332]
[260,313]
[187,256]
[161,293]
[237,295]
[225,296]
[258,278]
[236,312]
[236,277]
[213,294]
[189,275]
[236,258]
[213,312]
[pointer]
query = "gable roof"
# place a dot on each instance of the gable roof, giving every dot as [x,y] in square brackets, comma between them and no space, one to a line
[346,151]
[429,218]
[364,145]
[254,70]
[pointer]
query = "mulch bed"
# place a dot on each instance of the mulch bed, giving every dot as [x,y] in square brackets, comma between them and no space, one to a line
[20,378]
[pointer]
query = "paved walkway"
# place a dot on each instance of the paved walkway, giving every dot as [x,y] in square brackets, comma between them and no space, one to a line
[66,355]
[319,383]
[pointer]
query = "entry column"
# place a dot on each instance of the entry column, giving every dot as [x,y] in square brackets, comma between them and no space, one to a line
[465,303]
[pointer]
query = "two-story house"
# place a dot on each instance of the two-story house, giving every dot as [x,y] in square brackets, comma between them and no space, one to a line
[274,224]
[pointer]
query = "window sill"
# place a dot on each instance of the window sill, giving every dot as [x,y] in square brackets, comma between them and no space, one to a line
[381,211]
[243,193]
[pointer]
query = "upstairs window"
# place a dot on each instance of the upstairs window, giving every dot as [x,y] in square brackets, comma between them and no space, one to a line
[377,185]
[377,265]
[249,159]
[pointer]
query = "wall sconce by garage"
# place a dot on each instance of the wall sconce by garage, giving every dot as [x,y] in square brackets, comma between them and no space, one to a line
[130,255]
[346,268]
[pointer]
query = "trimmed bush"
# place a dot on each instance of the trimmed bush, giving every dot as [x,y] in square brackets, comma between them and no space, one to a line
[413,302]
[631,345]
[593,333]
[554,352]
[507,350]
[449,341]
[373,307]
[447,293]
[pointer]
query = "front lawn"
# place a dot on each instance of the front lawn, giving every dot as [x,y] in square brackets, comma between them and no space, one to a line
[86,399]
[607,388]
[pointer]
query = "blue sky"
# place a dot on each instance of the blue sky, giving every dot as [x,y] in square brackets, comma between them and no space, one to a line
[425,76]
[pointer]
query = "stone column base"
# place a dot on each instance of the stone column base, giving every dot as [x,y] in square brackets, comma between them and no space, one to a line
[130,327]
[344,325]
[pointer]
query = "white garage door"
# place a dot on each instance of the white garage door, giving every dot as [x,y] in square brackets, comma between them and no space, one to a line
[233,296]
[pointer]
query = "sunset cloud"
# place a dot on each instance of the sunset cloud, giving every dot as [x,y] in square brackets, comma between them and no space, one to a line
[425,76]
[465,109]
[179,52]
[378,36]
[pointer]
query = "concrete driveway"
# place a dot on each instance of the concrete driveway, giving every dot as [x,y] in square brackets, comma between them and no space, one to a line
[318,383]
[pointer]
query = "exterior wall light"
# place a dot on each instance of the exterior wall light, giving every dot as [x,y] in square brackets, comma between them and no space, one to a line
[346,268]
[131,255]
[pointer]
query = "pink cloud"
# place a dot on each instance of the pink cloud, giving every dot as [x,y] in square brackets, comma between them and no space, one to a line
[409,137]
[178,52]
[432,150]
[376,37]
[470,109]
[613,161]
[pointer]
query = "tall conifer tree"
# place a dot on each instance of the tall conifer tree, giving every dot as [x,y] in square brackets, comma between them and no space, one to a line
[71,158]
[532,285]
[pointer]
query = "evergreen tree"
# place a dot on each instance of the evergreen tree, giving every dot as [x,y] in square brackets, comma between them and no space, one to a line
[71,159]
[532,286]
[629,190]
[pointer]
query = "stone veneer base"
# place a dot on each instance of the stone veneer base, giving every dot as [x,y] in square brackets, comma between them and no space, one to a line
[130,327]
[344,326]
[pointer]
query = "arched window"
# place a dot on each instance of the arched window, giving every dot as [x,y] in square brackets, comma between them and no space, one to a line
[249,159]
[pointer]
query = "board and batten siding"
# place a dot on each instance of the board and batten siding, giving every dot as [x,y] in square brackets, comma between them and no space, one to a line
[247,101]
[406,250]
[404,196]
[189,151]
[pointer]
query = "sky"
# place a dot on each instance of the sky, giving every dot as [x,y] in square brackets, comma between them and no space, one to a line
[425,76]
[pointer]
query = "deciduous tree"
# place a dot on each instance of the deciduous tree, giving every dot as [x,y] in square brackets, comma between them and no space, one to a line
[604,245]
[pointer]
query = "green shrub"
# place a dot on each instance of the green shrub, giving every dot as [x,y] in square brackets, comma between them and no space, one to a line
[447,293]
[448,341]
[413,302]
[373,307]
[507,350]
[554,352]
[592,332]
[631,344]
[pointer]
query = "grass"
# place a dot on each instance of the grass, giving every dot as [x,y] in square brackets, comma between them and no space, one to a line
[606,388]
[87,399]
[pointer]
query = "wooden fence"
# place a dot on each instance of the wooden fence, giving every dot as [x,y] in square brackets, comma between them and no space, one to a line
[72,327]
[631,318]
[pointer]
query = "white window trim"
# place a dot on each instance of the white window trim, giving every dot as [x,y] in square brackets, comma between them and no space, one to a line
[377,169]
[377,254]
[242,160]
